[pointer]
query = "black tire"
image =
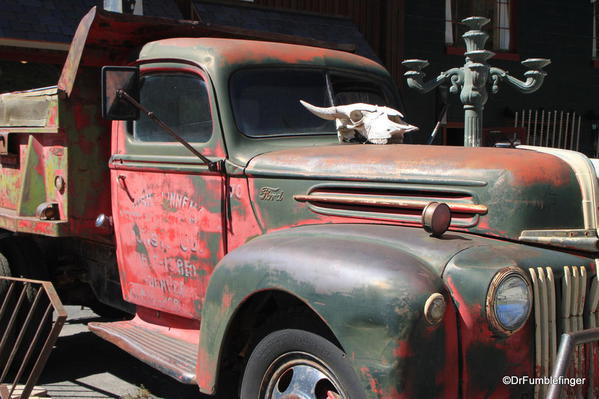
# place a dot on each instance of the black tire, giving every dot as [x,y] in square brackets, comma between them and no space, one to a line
[24,257]
[296,361]
[4,272]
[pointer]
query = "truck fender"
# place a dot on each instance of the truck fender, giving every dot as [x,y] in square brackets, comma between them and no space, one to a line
[370,296]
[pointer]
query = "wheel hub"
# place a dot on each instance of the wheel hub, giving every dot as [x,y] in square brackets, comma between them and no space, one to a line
[301,379]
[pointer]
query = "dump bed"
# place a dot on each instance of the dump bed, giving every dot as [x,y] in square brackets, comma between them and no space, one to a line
[53,148]
[24,116]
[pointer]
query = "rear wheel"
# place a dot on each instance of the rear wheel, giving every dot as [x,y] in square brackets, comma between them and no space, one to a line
[4,272]
[289,364]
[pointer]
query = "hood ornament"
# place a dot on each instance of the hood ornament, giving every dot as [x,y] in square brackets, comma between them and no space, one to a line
[365,123]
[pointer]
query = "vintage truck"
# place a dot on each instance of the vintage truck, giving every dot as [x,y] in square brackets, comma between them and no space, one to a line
[281,263]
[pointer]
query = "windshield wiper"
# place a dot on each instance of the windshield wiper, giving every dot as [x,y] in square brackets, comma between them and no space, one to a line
[213,166]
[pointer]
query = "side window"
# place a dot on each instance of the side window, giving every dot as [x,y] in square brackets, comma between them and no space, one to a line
[181,101]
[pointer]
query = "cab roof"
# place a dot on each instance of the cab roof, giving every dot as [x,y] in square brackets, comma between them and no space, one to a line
[216,54]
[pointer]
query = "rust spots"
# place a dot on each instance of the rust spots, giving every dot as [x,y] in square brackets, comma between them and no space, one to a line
[52,116]
[402,349]
[227,300]
[486,357]
[461,304]
[82,120]
[364,162]
[204,376]
[373,382]
[236,51]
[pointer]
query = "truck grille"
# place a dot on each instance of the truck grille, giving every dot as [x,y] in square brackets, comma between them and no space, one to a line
[561,305]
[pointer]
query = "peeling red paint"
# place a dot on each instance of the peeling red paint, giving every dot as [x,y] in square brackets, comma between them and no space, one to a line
[227,300]
[403,349]
[374,384]
[204,375]
[170,237]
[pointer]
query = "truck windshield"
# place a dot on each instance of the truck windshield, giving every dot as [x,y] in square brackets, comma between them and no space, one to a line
[266,101]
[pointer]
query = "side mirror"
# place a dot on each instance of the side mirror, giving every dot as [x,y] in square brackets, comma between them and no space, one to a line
[115,78]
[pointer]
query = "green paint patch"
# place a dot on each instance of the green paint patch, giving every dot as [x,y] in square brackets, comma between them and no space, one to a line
[166,206]
[139,247]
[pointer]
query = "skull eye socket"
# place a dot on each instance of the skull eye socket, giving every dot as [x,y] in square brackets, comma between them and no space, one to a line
[356,116]
[395,118]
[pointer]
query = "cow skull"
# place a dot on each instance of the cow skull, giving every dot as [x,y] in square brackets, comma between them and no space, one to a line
[365,123]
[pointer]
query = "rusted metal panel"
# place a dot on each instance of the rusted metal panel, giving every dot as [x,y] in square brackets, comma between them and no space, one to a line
[170,236]
[499,179]
[32,108]
[27,333]
[375,309]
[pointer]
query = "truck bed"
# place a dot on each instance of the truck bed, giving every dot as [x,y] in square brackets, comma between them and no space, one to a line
[52,148]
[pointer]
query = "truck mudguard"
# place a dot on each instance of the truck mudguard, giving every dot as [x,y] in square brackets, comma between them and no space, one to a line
[368,283]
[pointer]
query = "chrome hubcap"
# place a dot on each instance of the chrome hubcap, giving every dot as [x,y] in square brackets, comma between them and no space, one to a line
[299,376]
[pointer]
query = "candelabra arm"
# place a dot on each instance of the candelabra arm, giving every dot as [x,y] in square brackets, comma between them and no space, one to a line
[453,77]
[534,77]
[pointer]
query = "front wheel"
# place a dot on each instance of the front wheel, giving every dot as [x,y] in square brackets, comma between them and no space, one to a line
[291,363]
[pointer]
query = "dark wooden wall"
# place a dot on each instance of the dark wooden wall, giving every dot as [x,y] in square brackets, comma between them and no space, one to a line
[380,21]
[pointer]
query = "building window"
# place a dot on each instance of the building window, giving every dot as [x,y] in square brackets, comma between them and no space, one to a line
[499,29]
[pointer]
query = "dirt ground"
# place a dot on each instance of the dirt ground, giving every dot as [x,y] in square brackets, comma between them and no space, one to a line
[84,366]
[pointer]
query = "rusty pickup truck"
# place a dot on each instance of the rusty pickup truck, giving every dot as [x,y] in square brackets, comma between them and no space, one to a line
[260,257]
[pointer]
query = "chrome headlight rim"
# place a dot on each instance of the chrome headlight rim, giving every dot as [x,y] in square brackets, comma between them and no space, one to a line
[498,279]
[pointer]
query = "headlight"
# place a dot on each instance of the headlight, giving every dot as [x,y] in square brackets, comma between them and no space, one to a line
[509,300]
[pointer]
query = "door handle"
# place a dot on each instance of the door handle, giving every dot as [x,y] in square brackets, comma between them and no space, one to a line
[123,185]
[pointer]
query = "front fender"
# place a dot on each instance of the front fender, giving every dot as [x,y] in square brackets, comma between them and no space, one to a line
[488,356]
[366,283]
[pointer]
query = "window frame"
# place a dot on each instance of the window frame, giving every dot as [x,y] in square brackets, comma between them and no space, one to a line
[456,46]
[131,128]
[174,148]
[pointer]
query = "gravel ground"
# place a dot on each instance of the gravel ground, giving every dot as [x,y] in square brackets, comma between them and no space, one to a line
[83,365]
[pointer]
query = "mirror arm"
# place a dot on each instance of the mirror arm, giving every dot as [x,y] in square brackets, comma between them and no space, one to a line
[213,166]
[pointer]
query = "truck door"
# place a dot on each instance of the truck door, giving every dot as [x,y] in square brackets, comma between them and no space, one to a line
[167,205]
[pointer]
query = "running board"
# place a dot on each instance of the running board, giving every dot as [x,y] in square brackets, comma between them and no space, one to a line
[158,347]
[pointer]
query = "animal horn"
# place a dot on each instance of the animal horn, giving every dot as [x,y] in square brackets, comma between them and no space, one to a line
[329,113]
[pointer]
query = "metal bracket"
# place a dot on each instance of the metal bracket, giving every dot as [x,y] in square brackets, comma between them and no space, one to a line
[27,332]
[567,344]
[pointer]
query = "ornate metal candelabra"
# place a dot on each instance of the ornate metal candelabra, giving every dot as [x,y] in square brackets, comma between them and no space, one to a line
[471,79]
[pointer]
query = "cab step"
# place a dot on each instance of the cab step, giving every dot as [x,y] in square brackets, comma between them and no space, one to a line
[157,346]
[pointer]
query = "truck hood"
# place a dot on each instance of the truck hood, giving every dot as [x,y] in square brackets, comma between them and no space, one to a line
[533,194]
